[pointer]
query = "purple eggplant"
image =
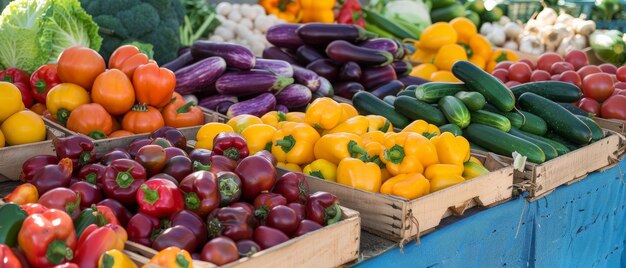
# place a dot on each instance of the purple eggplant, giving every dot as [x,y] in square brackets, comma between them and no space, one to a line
[306,77]
[374,77]
[279,67]
[284,35]
[294,96]
[349,72]
[402,51]
[282,108]
[211,102]
[326,68]
[323,33]
[224,106]
[412,80]
[180,62]
[200,75]
[275,53]
[391,88]
[251,83]
[307,54]
[326,88]
[348,89]
[384,44]
[235,55]
[257,106]
[402,67]
[342,51]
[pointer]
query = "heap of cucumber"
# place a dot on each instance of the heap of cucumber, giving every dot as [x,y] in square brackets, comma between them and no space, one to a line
[482,109]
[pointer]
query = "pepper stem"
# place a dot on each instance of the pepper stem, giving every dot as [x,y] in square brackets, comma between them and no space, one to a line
[376,160]
[355,150]
[185,108]
[97,135]
[232,153]
[62,115]
[287,143]
[71,207]
[107,260]
[317,173]
[40,86]
[262,212]
[429,135]
[181,261]
[124,178]
[268,147]
[395,154]
[333,214]
[192,201]
[140,108]
[214,228]
[199,166]
[385,127]
[57,252]
[84,158]
[281,116]
[91,178]
[150,196]
[228,188]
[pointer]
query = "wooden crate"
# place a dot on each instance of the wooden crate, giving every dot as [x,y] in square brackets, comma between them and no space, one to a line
[615,125]
[542,179]
[399,219]
[331,246]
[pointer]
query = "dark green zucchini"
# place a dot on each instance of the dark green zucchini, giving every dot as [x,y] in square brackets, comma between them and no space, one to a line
[366,103]
[573,109]
[596,131]
[503,143]
[490,119]
[547,148]
[415,109]
[408,93]
[555,137]
[553,90]
[475,79]
[473,146]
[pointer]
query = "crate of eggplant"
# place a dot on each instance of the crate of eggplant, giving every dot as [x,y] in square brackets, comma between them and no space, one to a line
[307,61]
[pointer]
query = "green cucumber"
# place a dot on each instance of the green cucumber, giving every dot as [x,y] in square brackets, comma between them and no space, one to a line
[415,109]
[557,118]
[490,108]
[408,93]
[473,100]
[555,137]
[386,24]
[494,91]
[503,143]
[573,109]
[547,148]
[433,91]
[553,90]
[561,149]
[447,13]
[389,99]
[596,132]
[528,122]
[473,146]
[12,218]
[452,128]
[455,111]
[490,119]
[443,3]
[366,103]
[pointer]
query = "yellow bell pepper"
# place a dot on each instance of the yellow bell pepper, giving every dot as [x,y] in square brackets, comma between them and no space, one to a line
[408,152]
[23,127]
[423,56]
[450,149]
[115,259]
[464,28]
[323,113]
[443,76]
[241,122]
[409,186]
[2,141]
[374,149]
[337,146]
[295,117]
[258,137]
[379,123]
[475,160]
[423,128]
[374,136]
[437,35]
[442,182]
[206,134]
[64,98]
[273,118]
[438,170]
[322,169]
[287,10]
[356,125]
[318,11]
[480,46]
[500,55]
[11,101]
[358,174]
[478,61]
[294,143]
[447,55]
[348,111]
[472,170]
[289,166]
[172,257]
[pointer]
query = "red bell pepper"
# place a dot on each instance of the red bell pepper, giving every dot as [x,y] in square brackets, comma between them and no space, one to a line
[120,212]
[34,208]
[7,258]
[351,13]
[293,187]
[177,236]
[78,148]
[53,176]
[201,193]
[231,145]
[143,229]
[234,223]
[62,199]
[323,208]
[92,173]
[152,157]
[193,222]
[42,80]
[121,180]
[34,164]
[267,201]
[159,198]
[93,244]
[257,175]
[27,96]
[14,75]
[89,193]
[117,153]
[173,135]
[48,238]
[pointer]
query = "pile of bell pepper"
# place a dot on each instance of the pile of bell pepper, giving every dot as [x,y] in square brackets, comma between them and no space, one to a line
[301,11]
[217,204]
[332,142]
[443,43]
[18,125]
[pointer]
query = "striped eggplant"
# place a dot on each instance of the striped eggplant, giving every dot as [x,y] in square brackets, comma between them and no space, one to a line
[211,102]
[275,53]
[278,67]
[282,108]
[294,96]
[284,35]
[324,33]
[257,106]
[325,90]
[235,55]
[200,75]
[306,77]
[251,82]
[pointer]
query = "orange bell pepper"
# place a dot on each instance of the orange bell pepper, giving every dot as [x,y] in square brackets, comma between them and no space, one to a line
[180,114]
[23,194]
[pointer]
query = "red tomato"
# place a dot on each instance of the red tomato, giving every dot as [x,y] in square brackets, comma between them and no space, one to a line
[620,85]
[556,77]
[539,75]
[512,83]
[501,74]
[621,74]
[519,72]
[589,105]
[622,92]
[587,70]
[530,63]
[614,77]
[617,91]
[577,58]
[571,77]
[608,68]
[546,60]
[503,65]
[614,107]
[560,67]
[598,86]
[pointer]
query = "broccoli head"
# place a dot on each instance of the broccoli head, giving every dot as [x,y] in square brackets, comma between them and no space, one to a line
[145,21]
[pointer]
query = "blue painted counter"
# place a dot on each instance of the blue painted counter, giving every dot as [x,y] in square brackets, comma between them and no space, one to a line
[580,225]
